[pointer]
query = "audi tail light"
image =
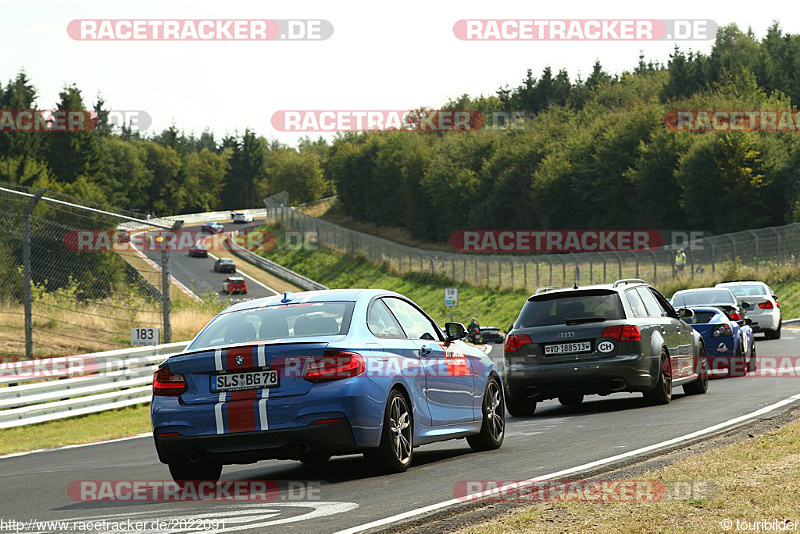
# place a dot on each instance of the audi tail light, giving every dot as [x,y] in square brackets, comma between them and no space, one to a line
[514,342]
[625,332]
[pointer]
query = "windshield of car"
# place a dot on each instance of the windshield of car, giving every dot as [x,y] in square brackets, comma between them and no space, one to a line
[701,317]
[696,298]
[750,290]
[301,320]
[225,261]
[571,307]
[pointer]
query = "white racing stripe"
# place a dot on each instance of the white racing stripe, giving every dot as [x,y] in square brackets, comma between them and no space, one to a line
[218,407]
[576,469]
[262,409]
[218,414]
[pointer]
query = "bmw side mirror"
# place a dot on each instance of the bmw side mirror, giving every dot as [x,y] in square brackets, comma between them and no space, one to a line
[746,305]
[455,331]
[685,313]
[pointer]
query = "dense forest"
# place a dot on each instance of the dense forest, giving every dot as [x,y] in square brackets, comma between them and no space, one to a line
[594,153]
[590,153]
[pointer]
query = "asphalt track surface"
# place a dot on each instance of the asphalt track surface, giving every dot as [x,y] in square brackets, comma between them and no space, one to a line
[199,276]
[344,493]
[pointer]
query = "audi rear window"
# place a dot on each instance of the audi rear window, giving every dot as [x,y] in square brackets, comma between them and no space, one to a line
[287,321]
[571,307]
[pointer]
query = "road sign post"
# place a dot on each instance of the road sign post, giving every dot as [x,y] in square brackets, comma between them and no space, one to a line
[451,299]
[145,336]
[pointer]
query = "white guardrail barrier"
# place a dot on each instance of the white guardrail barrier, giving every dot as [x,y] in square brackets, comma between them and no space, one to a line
[35,391]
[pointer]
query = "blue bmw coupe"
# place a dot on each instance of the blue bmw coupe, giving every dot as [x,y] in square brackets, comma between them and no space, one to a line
[316,374]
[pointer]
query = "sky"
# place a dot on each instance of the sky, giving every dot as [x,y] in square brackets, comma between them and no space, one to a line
[381,55]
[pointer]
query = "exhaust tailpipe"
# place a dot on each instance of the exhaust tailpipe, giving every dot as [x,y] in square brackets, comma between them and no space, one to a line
[303,447]
[194,457]
[616,384]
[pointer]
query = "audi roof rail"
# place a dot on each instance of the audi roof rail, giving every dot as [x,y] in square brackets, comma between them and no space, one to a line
[544,289]
[628,281]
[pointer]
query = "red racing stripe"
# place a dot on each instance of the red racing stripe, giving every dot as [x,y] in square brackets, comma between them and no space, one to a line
[240,408]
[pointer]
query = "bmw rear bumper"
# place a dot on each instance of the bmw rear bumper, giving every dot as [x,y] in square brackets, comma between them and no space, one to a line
[249,447]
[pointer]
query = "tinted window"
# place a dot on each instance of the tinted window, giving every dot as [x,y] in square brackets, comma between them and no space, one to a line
[277,322]
[698,298]
[414,323]
[654,309]
[556,308]
[635,302]
[381,322]
[701,317]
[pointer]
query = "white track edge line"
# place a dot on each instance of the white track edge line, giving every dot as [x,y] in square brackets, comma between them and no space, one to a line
[76,446]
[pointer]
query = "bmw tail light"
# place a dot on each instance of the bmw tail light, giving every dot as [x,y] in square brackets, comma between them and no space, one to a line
[334,365]
[735,316]
[766,305]
[722,330]
[625,332]
[514,342]
[166,384]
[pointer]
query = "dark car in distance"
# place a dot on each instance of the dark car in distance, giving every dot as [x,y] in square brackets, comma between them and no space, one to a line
[492,334]
[225,265]
[601,339]
[198,250]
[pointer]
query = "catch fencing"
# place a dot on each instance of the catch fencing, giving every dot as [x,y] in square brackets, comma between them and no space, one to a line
[56,298]
[756,248]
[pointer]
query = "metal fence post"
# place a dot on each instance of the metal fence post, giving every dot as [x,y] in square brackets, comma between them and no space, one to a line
[27,296]
[166,302]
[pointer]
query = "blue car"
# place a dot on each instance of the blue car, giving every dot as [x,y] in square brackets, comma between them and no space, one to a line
[212,227]
[322,373]
[729,343]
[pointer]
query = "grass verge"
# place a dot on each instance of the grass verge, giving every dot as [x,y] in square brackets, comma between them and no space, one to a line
[86,429]
[753,480]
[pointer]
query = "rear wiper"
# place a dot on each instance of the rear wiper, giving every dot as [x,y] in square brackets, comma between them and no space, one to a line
[579,320]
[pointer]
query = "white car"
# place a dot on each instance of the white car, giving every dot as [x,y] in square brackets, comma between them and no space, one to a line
[241,216]
[764,309]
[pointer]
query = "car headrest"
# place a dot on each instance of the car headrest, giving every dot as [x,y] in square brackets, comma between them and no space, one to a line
[315,326]
[240,333]
[273,329]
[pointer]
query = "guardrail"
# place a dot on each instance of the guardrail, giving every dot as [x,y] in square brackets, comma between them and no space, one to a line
[113,379]
[271,267]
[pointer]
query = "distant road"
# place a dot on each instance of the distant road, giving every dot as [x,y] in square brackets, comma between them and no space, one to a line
[199,276]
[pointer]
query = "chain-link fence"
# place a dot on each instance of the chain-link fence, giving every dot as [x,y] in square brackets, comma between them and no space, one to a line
[72,279]
[753,247]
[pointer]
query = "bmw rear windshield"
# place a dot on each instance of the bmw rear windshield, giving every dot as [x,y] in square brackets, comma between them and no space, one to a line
[287,321]
[571,307]
[750,290]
